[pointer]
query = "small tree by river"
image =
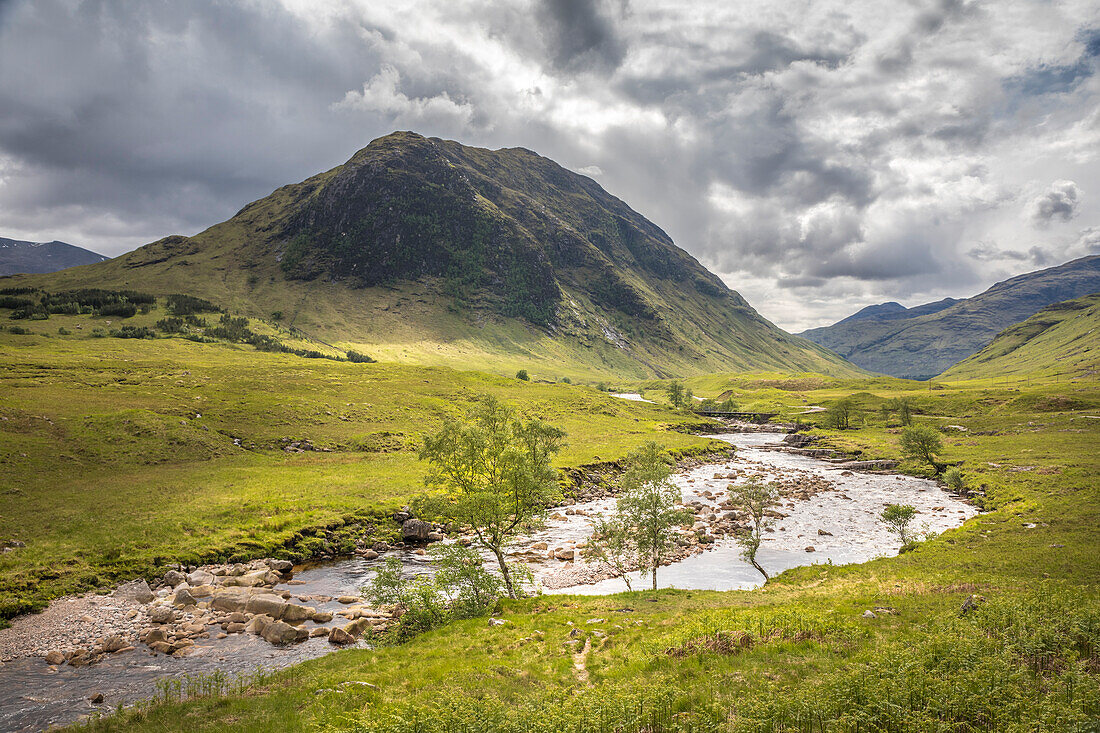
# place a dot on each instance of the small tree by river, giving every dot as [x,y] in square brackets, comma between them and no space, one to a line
[646,511]
[493,473]
[755,498]
[898,518]
[922,442]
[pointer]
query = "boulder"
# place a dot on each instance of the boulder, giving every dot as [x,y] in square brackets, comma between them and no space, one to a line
[174,577]
[154,635]
[201,577]
[258,624]
[869,614]
[114,643]
[234,628]
[230,599]
[183,597]
[338,636]
[356,628]
[279,632]
[161,646]
[136,591]
[415,530]
[280,566]
[55,657]
[162,615]
[237,617]
[369,555]
[295,614]
[435,537]
[322,617]
[271,605]
[202,591]
[318,631]
[253,579]
[347,599]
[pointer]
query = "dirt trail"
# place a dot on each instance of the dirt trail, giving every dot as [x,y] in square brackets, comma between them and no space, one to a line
[580,662]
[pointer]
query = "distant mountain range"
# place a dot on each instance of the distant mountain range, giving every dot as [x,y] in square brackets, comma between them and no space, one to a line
[40,257]
[922,342]
[425,250]
[1063,338]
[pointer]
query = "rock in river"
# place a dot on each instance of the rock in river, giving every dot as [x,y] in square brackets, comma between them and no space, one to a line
[415,530]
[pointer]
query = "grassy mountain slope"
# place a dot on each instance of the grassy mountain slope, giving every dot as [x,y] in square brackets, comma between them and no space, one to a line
[427,251]
[1063,338]
[38,257]
[925,345]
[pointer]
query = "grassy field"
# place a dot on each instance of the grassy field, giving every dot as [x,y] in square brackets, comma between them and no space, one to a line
[797,655]
[120,455]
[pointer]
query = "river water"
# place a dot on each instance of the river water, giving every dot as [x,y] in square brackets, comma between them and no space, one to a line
[34,696]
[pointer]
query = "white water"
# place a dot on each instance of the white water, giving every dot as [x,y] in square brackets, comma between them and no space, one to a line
[849,513]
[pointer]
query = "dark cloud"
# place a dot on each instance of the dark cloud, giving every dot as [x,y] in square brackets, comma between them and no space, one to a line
[824,156]
[1058,203]
[581,35]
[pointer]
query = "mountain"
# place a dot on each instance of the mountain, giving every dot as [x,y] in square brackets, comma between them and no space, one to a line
[1063,338]
[921,342]
[425,250]
[894,311]
[40,257]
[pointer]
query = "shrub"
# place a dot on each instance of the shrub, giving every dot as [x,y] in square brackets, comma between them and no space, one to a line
[118,310]
[183,305]
[922,443]
[955,480]
[134,332]
[839,414]
[18,330]
[356,358]
[62,331]
[522,374]
[897,518]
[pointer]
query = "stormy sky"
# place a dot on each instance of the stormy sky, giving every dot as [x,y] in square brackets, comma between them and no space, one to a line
[820,156]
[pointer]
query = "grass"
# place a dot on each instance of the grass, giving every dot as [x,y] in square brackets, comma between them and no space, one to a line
[181,445]
[797,655]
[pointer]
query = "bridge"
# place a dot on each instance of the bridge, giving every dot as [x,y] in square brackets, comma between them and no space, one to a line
[756,417]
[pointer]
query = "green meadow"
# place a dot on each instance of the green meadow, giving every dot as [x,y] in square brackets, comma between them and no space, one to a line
[796,655]
[121,455]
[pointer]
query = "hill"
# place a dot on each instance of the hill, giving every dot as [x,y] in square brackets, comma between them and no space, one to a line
[40,257]
[1063,338]
[921,342]
[427,251]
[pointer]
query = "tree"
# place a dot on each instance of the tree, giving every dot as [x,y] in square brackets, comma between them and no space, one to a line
[903,406]
[522,374]
[922,443]
[647,507]
[493,474]
[675,393]
[955,480]
[613,543]
[897,518]
[839,414]
[755,498]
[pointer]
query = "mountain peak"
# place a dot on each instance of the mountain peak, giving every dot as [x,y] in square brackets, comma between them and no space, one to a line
[427,250]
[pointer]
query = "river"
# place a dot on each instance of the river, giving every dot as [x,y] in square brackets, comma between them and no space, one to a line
[838,523]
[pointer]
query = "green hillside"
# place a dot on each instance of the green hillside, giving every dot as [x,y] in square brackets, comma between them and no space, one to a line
[426,251]
[1063,338]
[919,344]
